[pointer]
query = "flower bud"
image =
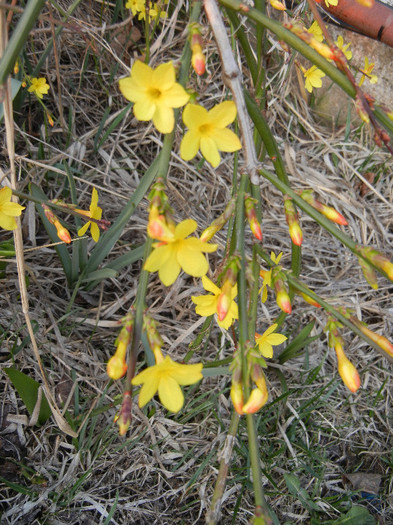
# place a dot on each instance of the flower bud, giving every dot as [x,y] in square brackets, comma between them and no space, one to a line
[237,390]
[329,212]
[361,110]
[224,300]
[346,369]
[282,297]
[259,378]
[218,223]
[292,219]
[309,300]
[117,366]
[251,215]
[123,419]
[276,4]
[255,402]
[198,61]
[380,340]
[377,259]
[369,273]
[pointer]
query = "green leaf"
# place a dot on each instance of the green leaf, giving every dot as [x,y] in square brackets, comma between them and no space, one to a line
[356,516]
[297,345]
[100,275]
[293,484]
[27,388]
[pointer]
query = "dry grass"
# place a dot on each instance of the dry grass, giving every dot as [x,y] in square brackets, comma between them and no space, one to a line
[165,470]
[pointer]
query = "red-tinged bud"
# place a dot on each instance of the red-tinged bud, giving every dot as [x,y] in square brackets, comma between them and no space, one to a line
[380,340]
[309,300]
[282,297]
[346,369]
[237,391]
[16,67]
[310,39]
[329,212]
[224,300]
[123,419]
[292,219]
[255,402]
[218,223]
[50,120]
[259,378]
[198,60]
[116,367]
[251,215]
[153,336]
[62,232]
[377,259]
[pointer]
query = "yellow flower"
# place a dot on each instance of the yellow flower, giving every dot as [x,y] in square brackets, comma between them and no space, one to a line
[165,377]
[154,10]
[331,2]
[313,77]
[207,304]
[316,31]
[367,73]
[8,209]
[340,45]
[155,93]
[267,276]
[178,253]
[207,132]
[135,5]
[39,87]
[267,340]
[94,213]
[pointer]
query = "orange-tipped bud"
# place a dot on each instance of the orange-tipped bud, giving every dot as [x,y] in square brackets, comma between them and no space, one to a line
[259,378]
[310,39]
[282,297]
[62,232]
[209,233]
[365,3]
[159,229]
[309,300]
[116,367]
[123,419]
[380,340]
[255,402]
[292,219]
[224,300]
[198,60]
[237,391]
[346,369]
[16,67]
[251,215]
[50,120]
[377,259]
[329,212]
[276,4]
[218,223]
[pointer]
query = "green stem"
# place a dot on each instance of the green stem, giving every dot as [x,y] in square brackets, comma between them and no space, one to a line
[19,37]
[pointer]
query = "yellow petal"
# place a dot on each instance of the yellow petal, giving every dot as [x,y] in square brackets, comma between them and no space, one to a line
[210,152]
[223,114]
[131,90]
[148,389]
[158,257]
[189,145]
[277,339]
[5,194]
[226,140]
[176,96]
[194,116]
[193,263]
[170,270]
[142,74]
[163,118]
[95,232]
[7,222]
[144,109]
[196,244]
[266,350]
[187,374]
[170,394]
[209,286]
[163,76]
[83,230]
[206,305]
[12,208]
[185,228]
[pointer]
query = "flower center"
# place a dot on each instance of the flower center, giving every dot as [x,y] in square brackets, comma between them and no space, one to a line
[154,93]
[205,129]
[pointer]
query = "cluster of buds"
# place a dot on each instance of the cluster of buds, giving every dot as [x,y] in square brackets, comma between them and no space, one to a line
[61,231]
[329,212]
[371,257]
[225,299]
[198,60]
[160,225]
[123,418]
[218,223]
[282,297]
[117,366]
[258,396]
[251,215]
[153,336]
[310,39]
[346,369]
[292,219]
[379,340]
